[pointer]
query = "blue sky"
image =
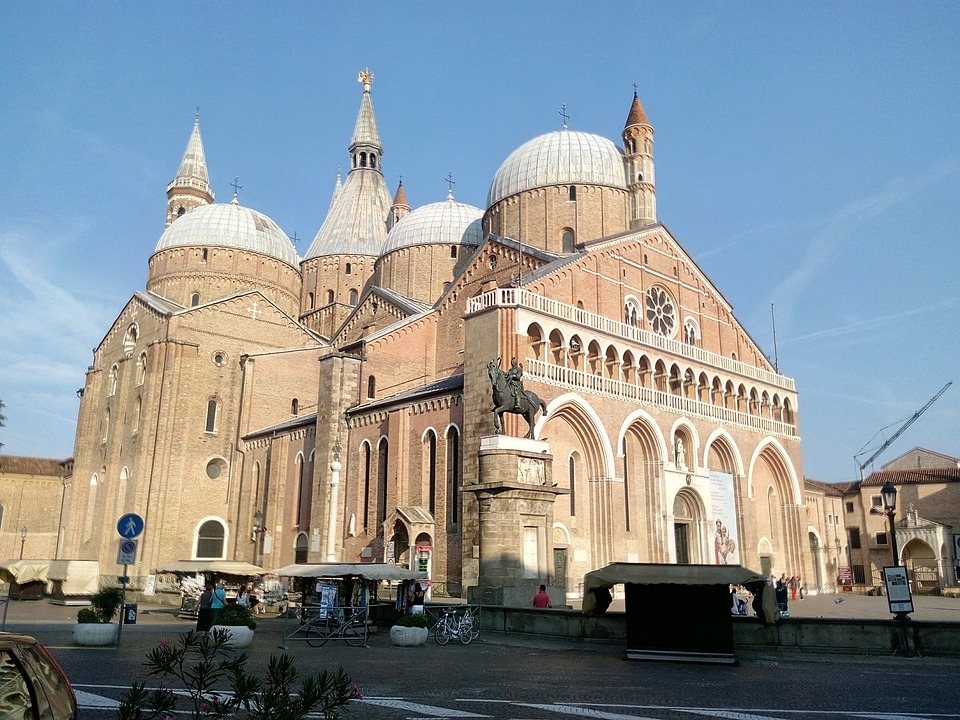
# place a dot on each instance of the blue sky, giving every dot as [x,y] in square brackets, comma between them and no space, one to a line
[807,155]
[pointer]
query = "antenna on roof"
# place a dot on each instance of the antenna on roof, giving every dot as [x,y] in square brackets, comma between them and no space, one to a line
[776,357]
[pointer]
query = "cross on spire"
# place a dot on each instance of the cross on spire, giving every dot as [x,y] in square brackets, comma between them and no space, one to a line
[634,89]
[562,112]
[294,239]
[237,187]
[450,183]
[196,115]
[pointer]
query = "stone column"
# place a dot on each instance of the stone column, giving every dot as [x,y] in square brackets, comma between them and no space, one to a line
[515,495]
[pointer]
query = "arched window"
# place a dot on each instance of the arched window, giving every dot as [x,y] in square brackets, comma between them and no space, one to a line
[181,210]
[569,240]
[211,424]
[691,332]
[136,415]
[298,519]
[453,476]
[310,300]
[294,407]
[367,461]
[430,469]
[363,159]
[453,251]
[195,299]
[349,268]
[626,489]
[381,484]
[210,540]
[572,471]
[113,380]
[106,425]
[142,368]
[373,160]
[130,339]
[354,296]
[631,312]
[300,551]
[573,193]
[329,296]
[371,387]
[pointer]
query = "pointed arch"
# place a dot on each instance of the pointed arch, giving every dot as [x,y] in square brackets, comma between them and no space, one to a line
[586,423]
[720,452]
[772,449]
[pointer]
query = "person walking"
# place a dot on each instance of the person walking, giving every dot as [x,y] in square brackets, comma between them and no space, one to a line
[217,602]
[204,609]
[781,592]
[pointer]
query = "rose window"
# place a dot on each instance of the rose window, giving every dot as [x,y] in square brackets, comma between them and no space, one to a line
[661,313]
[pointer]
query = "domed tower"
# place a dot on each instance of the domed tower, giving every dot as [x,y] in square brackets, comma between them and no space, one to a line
[429,248]
[558,188]
[638,149]
[217,250]
[341,258]
[191,187]
[400,209]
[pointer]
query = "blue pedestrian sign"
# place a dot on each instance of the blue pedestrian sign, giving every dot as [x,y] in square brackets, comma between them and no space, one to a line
[130,526]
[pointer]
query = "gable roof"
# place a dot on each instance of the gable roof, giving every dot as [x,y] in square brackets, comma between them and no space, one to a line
[919,476]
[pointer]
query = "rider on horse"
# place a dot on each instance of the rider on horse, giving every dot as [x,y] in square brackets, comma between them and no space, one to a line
[514,378]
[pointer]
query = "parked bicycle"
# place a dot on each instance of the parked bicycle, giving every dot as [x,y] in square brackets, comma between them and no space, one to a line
[451,625]
[349,624]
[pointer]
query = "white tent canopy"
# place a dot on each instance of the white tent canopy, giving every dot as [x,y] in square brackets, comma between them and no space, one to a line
[220,567]
[370,571]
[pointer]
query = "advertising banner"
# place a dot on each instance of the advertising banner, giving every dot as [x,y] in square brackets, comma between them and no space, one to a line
[898,589]
[726,536]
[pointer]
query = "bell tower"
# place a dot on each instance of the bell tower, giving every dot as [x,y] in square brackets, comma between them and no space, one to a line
[191,187]
[638,153]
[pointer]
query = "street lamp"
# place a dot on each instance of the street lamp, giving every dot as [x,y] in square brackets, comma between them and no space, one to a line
[889,494]
[23,539]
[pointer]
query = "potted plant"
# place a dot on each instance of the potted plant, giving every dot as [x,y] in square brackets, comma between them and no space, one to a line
[95,625]
[410,630]
[236,623]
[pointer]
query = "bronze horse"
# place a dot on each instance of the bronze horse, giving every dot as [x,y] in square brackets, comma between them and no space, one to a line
[504,401]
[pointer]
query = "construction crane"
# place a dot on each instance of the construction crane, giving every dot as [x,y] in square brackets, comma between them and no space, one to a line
[910,421]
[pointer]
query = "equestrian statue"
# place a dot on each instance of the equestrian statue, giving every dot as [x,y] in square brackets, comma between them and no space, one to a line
[510,397]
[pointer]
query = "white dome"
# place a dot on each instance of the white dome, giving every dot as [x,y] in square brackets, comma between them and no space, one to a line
[230,226]
[442,223]
[564,157]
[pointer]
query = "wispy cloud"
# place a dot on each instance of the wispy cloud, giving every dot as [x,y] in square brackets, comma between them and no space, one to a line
[871,324]
[838,229]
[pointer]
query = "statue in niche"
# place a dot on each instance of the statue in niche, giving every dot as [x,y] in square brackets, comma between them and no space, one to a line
[681,453]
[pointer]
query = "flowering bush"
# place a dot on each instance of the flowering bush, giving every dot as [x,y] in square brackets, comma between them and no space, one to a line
[203,665]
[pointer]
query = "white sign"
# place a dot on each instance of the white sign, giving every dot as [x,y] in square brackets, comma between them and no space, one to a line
[898,589]
[127,552]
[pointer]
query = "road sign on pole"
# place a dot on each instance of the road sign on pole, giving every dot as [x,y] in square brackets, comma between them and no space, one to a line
[127,552]
[130,526]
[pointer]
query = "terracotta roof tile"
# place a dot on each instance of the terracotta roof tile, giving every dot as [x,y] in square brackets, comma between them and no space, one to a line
[637,116]
[919,476]
[400,199]
[15,464]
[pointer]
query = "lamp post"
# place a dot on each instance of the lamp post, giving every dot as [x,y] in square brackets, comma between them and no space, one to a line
[23,539]
[889,494]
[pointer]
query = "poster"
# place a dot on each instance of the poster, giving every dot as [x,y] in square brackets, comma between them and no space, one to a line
[726,550]
[898,589]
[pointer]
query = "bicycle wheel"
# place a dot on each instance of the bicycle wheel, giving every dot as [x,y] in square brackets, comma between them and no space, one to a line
[442,636]
[473,623]
[355,635]
[318,633]
[464,632]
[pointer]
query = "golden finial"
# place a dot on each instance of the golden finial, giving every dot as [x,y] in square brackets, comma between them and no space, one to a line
[366,77]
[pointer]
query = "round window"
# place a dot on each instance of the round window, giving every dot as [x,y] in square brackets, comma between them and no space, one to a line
[215,468]
[219,359]
[661,312]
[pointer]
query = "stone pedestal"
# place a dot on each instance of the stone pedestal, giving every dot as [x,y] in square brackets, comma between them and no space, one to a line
[515,495]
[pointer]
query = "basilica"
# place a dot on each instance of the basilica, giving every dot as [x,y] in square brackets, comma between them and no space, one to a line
[251,404]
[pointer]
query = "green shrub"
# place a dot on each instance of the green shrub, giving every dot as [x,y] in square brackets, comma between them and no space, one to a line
[103,606]
[420,620]
[234,616]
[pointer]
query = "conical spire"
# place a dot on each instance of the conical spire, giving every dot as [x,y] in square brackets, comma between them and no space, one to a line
[191,187]
[400,208]
[365,135]
[637,116]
